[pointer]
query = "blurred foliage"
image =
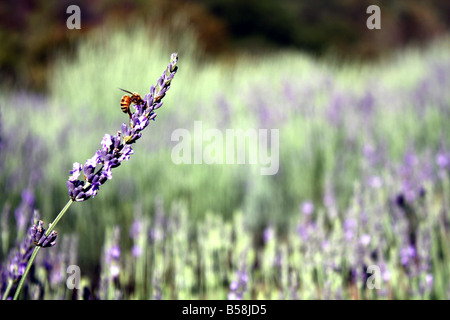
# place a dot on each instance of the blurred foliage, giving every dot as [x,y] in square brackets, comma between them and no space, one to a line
[33,33]
[337,25]
[29,46]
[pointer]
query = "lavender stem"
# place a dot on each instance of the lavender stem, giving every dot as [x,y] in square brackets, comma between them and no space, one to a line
[36,249]
[8,288]
[22,280]
[58,217]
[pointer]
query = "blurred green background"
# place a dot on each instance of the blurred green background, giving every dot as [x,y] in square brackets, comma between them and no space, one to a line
[335,90]
[222,28]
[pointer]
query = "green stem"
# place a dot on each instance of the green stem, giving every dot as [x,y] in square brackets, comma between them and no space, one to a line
[22,280]
[58,217]
[8,288]
[36,249]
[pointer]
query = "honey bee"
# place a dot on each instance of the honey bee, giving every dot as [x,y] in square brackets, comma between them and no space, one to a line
[127,100]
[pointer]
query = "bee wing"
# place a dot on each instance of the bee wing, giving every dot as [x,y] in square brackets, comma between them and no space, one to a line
[125,91]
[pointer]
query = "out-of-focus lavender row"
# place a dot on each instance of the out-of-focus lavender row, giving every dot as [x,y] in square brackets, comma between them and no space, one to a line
[325,254]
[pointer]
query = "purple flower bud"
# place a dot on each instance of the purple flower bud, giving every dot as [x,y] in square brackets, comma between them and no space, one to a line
[107,172]
[102,178]
[160,82]
[160,94]
[50,241]
[116,141]
[36,232]
[92,192]
[70,186]
[140,123]
[148,99]
[75,173]
[106,142]
[81,196]
[157,106]
[114,163]
[74,187]
[37,235]
[91,164]
[126,131]
[126,153]
[152,92]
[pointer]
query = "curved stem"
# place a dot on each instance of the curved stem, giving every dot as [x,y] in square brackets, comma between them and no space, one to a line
[36,249]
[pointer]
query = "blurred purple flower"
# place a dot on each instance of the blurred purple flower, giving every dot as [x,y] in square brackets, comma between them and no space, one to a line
[76,171]
[238,286]
[329,199]
[114,270]
[429,280]
[115,252]
[407,254]
[305,230]
[413,174]
[28,197]
[18,257]
[268,234]
[234,285]
[112,253]
[136,251]
[367,102]
[375,182]
[443,160]
[335,107]
[365,240]
[135,229]
[307,208]
[386,275]
[349,228]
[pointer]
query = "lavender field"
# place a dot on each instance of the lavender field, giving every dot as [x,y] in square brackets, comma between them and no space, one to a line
[363,181]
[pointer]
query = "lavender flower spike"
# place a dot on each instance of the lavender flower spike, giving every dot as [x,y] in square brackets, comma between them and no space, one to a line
[117,148]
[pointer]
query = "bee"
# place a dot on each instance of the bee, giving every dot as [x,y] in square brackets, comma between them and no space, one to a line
[127,100]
